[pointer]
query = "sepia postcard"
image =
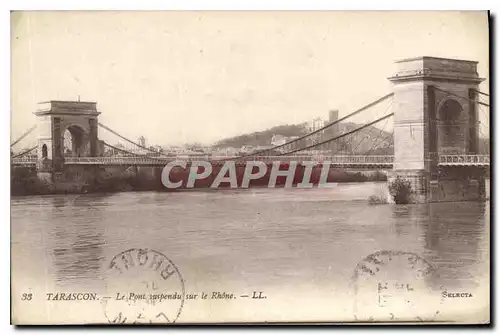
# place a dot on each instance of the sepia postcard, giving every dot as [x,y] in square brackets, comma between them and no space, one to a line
[250,167]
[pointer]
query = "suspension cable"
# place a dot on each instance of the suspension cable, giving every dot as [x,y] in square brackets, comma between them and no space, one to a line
[483,111]
[316,131]
[391,135]
[363,138]
[381,130]
[346,144]
[124,138]
[486,114]
[478,91]
[25,152]
[370,132]
[128,152]
[340,136]
[485,125]
[376,142]
[26,133]
[120,150]
[462,97]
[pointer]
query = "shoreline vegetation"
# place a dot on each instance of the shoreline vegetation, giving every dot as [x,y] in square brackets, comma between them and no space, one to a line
[400,192]
[25,182]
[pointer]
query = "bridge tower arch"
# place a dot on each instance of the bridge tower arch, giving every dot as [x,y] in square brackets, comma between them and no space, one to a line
[435,113]
[75,119]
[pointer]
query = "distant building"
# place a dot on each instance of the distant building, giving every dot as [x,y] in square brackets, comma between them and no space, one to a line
[278,139]
[326,134]
[316,124]
[333,116]
[247,149]
[313,126]
[142,141]
[333,131]
[225,152]
[159,149]
[230,151]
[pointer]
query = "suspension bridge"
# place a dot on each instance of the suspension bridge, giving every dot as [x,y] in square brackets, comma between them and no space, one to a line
[435,120]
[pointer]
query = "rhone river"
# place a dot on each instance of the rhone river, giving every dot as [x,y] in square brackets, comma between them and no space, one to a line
[299,247]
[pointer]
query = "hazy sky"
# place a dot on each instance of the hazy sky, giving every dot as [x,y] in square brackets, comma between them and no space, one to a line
[178,77]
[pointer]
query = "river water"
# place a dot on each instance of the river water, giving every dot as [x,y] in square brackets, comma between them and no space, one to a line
[300,247]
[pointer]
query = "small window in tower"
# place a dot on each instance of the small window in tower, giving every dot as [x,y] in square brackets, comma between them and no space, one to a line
[44,151]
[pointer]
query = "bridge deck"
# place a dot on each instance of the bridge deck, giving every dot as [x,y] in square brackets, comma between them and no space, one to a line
[336,161]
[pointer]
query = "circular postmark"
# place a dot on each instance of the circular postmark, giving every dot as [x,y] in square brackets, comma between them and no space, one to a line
[385,261]
[392,286]
[143,286]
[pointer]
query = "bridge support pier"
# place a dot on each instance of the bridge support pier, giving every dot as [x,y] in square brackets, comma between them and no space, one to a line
[44,171]
[433,116]
[419,181]
[453,184]
[459,184]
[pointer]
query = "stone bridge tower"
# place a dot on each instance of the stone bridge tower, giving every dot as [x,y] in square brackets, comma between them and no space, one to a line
[54,118]
[435,113]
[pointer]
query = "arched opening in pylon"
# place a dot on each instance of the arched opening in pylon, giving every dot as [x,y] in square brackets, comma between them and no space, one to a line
[44,151]
[74,142]
[449,125]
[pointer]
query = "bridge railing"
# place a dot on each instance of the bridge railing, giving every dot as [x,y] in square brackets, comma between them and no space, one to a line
[24,160]
[358,159]
[464,159]
[338,159]
[117,160]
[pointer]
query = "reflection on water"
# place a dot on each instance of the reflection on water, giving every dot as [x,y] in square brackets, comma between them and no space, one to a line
[77,240]
[275,239]
[455,237]
[458,244]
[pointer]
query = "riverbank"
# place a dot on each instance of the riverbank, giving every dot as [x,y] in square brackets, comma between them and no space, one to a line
[26,182]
